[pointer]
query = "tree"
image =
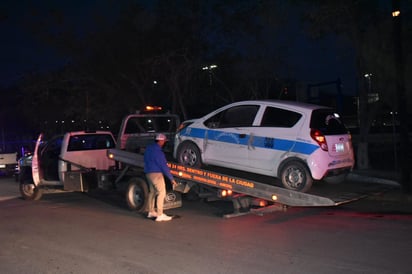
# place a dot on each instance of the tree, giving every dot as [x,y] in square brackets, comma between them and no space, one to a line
[401,95]
[364,24]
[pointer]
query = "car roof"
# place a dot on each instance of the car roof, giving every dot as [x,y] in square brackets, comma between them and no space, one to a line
[282,103]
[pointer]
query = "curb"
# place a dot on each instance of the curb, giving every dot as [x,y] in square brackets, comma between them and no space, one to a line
[370,179]
[395,195]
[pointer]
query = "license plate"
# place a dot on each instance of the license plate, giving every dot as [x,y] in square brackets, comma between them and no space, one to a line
[339,147]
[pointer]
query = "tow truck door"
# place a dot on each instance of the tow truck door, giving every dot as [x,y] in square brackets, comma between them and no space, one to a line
[37,172]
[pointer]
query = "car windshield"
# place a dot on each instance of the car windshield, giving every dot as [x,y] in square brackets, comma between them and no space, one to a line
[328,122]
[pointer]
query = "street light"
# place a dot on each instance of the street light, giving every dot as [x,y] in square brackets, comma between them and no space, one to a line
[210,68]
[396,13]
[368,76]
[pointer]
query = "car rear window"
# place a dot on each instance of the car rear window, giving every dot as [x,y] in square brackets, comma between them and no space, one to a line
[90,142]
[328,122]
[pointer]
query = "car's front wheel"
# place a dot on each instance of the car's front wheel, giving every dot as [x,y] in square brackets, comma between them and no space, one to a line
[29,191]
[188,154]
[296,176]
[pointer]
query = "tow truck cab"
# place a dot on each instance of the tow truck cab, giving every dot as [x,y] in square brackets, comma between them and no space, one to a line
[139,129]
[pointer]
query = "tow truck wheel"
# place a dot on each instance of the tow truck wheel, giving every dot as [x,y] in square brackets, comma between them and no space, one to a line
[296,176]
[136,194]
[29,191]
[189,155]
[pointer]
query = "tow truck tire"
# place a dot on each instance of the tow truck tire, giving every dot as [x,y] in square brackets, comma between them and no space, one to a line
[137,194]
[296,176]
[29,191]
[188,154]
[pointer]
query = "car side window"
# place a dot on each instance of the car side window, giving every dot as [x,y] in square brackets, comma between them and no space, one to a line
[277,117]
[238,116]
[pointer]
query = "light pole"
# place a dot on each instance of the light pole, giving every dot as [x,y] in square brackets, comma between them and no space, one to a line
[401,96]
[368,77]
[210,68]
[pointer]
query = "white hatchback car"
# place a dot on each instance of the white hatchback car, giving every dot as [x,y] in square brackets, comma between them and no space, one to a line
[292,141]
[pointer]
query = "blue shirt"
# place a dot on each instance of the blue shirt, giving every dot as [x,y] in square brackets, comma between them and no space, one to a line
[155,161]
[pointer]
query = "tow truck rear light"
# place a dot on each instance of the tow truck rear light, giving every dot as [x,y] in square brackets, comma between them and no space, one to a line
[153,108]
[222,193]
[110,155]
[318,136]
[263,203]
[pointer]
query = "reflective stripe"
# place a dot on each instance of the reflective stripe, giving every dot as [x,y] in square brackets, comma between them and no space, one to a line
[258,141]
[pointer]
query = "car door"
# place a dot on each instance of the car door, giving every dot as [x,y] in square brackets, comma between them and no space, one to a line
[275,136]
[37,172]
[45,159]
[227,136]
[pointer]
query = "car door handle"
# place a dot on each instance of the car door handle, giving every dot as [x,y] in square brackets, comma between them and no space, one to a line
[242,135]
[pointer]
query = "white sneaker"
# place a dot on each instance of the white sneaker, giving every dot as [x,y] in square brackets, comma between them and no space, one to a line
[163,217]
[152,215]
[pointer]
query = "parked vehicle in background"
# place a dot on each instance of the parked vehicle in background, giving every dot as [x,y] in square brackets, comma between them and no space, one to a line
[8,162]
[24,164]
[292,141]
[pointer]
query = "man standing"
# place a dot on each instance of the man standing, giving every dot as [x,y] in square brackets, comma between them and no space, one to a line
[155,166]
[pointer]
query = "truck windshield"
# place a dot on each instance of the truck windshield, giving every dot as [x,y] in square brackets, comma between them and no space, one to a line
[151,124]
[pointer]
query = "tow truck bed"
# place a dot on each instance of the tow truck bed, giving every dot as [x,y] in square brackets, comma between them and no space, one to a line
[262,187]
[321,194]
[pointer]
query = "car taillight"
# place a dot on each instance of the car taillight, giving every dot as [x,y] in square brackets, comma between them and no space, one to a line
[318,136]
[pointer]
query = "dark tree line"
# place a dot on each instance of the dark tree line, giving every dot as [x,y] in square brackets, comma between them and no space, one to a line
[112,69]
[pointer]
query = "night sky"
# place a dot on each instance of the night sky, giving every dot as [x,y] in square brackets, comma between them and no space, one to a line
[20,53]
[311,62]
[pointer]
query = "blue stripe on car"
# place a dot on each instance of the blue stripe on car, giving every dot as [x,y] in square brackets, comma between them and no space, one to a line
[258,141]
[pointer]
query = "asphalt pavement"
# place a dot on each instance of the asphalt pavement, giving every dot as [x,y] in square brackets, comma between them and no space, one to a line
[394,200]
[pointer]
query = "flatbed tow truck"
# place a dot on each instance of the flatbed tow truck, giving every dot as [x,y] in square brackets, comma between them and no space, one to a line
[248,196]
[62,165]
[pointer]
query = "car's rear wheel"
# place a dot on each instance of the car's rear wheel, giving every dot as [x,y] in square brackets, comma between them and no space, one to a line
[188,154]
[296,176]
